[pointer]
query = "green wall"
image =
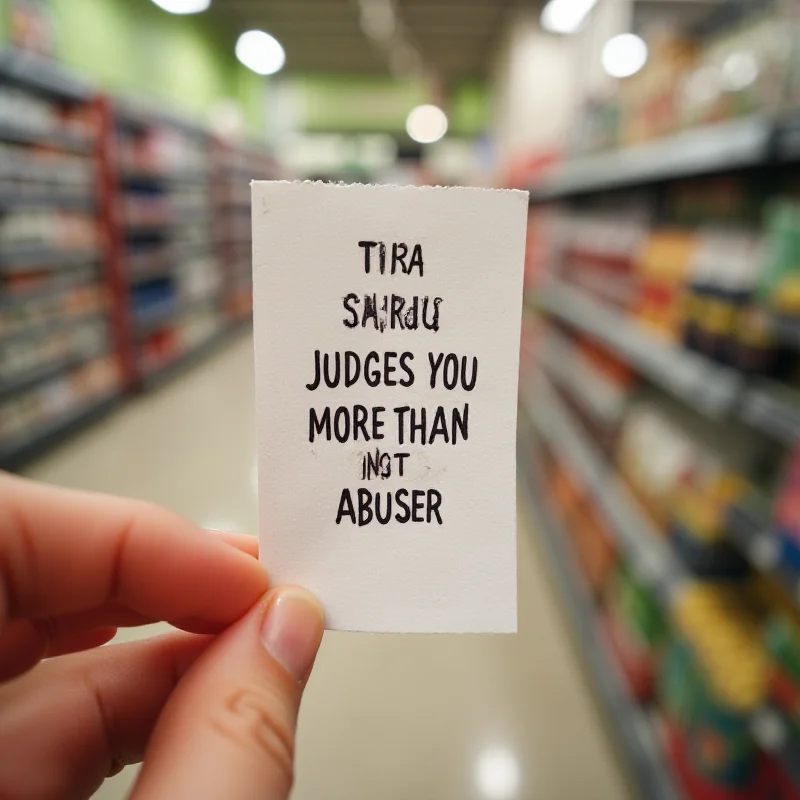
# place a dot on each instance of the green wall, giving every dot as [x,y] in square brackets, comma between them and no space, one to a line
[353,103]
[133,47]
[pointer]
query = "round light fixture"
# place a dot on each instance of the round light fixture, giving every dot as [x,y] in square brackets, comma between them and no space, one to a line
[183,6]
[426,124]
[260,52]
[624,55]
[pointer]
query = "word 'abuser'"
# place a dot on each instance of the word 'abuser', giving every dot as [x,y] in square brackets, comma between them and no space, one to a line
[424,506]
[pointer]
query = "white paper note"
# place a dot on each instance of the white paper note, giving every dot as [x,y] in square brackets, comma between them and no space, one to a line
[386,344]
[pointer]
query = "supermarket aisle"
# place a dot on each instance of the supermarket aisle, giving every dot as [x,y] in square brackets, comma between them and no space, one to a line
[393,717]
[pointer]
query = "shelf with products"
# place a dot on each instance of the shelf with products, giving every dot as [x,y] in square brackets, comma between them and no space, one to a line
[33,257]
[191,354]
[713,388]
[774,409]
[58,369]
[167,350]
[648,554]
[684,668]
[699,301]
[747,526]
[722,147]
[37,330]
[720,95]
[237,166]
[632,726]
[167,255]
[18,449]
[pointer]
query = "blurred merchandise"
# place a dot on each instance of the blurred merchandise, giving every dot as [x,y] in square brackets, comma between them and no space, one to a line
[676,256]
[636,628]
[121,251]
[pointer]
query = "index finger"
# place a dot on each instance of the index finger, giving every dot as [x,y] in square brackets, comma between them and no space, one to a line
[64,551]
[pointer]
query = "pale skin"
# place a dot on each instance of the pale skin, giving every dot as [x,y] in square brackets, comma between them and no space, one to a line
[211,709]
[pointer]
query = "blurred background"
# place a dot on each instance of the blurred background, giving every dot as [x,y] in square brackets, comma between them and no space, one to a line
[659,420]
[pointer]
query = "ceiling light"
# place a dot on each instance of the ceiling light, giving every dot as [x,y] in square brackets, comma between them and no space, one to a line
[260,52]
[739,70]
[565,16]
[497,774]
[378,20]
[624,55]
[183,6]
[426,124]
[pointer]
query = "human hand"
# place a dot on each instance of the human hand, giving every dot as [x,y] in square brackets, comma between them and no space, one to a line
[212,710]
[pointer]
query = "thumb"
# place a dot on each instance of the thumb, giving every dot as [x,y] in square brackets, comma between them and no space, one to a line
[229,727]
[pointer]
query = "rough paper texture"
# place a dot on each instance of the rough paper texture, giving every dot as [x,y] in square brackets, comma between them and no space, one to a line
[445,559]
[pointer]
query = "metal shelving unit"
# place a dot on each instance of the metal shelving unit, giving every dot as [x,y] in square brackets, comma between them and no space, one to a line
[15,452]
[774,734]
[734,145]
[183,361]
[634,732]
[747,528]
[773,409]
[44,284]
[34,257]
[699,382]
[649,555]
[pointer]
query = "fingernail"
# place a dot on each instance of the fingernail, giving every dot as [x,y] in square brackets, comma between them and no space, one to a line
[292,629]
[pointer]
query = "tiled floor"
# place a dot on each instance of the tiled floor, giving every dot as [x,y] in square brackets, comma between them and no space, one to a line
[385,717]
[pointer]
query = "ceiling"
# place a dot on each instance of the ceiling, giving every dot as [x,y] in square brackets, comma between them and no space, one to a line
[454,39]
[450,39]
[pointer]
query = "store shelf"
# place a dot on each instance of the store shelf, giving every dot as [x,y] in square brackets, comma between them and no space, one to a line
[169,312]
[48,289]
[787,138]
[22,134]
[747,528]
[787,330]
[42,373]
[649,554]
[47,197]
[39,74]
[23,259]
[773,409]
[695,380]
[50,326]
[594,393]
[775,735]
[140,176]
[158,377]
[631,725]
[14,453]
[715,148]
